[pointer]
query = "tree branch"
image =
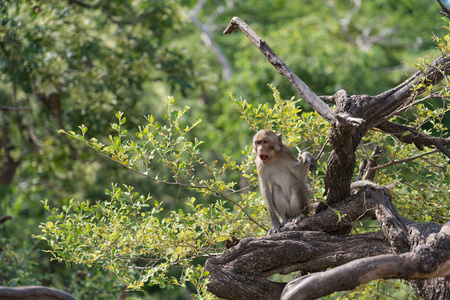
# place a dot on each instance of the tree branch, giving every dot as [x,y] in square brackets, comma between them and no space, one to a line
[339,217]
[33,292]
[415,137]
[445,11]
[367,168]
[310,97]
[247,265]
[396,162]
[5,218]
[384,105]
[411,265]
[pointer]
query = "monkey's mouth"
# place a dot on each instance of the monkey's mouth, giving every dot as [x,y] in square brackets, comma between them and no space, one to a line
[264,157]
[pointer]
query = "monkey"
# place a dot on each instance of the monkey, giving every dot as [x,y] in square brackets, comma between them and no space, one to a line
[282,178]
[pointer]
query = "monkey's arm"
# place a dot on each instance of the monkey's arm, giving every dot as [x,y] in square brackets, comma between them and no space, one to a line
[308,161]
[268,199]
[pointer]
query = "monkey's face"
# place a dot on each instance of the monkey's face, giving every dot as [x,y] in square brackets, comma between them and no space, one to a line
[265,145]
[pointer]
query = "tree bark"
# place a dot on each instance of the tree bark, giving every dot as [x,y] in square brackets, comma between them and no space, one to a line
[414,251]
[246,266]
[420,252]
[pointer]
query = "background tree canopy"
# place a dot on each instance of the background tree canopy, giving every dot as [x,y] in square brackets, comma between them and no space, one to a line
[104,73]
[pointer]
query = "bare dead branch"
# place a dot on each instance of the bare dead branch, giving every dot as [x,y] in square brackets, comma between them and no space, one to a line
[338,217]
[247,265]
[405,266]
[375,158]
[298,247]
[33,292]
[309,96]
[385,104]
[328,99]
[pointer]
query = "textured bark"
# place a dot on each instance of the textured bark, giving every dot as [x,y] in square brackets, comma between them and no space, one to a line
[426,259]
[415,251]
[420,252]
[246,266]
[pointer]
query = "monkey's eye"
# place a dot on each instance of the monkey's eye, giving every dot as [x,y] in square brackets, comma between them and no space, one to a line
[265,142]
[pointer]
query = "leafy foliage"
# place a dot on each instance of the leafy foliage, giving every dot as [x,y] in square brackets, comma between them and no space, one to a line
[67,64]
[128,235]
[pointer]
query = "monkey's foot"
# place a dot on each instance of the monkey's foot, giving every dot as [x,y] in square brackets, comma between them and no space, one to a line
[273,230]
[296,219]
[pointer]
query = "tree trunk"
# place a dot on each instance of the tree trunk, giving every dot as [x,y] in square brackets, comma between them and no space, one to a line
[419,252]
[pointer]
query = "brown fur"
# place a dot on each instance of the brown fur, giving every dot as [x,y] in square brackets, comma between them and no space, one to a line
[282,178]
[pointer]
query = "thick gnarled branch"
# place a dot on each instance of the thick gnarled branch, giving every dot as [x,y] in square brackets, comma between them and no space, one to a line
[247,265]
[412,265]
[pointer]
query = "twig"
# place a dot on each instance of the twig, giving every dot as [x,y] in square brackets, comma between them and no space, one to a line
[396,162]
[196,187]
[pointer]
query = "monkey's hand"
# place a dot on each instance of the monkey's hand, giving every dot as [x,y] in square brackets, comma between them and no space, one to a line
[308,158]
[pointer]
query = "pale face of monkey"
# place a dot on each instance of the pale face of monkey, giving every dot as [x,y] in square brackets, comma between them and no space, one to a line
[265,145]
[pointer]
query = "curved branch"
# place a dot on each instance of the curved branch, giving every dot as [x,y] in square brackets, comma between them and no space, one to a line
[247,265]
[412,265]
[339,217]
[33,292]
[310,97]
[445,11]
[415,137]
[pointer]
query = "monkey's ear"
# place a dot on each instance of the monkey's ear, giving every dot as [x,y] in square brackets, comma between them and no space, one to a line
[278,146]
[280,138]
